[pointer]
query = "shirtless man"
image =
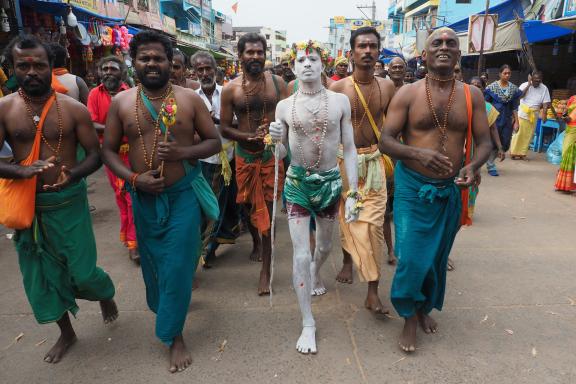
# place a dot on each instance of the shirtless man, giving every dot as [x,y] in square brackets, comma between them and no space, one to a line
[363,241]
[313,122]
[397,71]
[252,97]
[178,73]
[161,179]
[53,280]
[429,178]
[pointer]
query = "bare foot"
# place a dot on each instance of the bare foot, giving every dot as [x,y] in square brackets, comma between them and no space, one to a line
[407,339]
[109,310]
[318,288]
[392,258]
[428,324]
[55,354]
[307,341]
[374,305]
[180,358]
[450,266]
[345,275]
[134,256]
[264,284]
[256,254]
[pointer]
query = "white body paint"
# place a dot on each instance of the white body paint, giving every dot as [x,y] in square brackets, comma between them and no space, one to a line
[306,269]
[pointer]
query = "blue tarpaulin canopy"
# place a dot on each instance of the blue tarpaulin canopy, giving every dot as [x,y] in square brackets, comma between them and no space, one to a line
[537,31]
[504,10]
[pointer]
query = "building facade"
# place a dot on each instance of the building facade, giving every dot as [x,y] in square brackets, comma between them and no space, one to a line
[275,41]
[341,28]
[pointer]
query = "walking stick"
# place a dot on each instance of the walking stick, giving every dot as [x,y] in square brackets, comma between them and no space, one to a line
[273,221]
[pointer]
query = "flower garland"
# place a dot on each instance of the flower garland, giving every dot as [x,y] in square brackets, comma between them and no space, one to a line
[308,46]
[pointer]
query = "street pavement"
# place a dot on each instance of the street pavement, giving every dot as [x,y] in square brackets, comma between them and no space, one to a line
[509,314]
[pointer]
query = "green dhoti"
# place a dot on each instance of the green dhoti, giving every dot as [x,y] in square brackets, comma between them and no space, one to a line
[314,191]
[57,255]
[168,233]
[427,219]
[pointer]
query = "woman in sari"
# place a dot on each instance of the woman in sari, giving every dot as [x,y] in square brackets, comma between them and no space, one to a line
[565,178]
[505,97]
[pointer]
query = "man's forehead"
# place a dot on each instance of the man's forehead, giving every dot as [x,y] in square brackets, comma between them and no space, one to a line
[111,64]
[254,45]
[366,38]
[309,52]
[30,54]
[152,47]
[203,62]
[396,61]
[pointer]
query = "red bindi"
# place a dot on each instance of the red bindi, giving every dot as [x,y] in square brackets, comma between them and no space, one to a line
[29,59]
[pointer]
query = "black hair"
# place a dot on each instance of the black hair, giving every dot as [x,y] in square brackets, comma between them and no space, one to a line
[60,55]
[148,36]
[27,42]
[537,72]
[203,55]
[504,67]
[116,59]
[251,37]
[364,31]
[184,56]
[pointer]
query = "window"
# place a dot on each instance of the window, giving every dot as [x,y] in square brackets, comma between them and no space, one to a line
[463,1]
[267,37]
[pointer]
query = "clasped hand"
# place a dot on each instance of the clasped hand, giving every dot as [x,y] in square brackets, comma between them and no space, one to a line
[169,151]
[276,130]
[351,212]
[436,161]
[260,133]
[150,182]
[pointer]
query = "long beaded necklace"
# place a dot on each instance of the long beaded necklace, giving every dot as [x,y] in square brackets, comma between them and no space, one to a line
[258,88]
[323,127]
[149,160]
[36,120]
[443,128]
[356,104]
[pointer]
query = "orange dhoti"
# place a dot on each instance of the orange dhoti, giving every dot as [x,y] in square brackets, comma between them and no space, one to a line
[255,179]
[364,238]
[124,202]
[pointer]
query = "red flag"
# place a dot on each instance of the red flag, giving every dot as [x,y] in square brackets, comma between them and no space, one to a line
[235,7]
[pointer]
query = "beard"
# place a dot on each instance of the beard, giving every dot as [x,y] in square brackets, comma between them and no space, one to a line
[35,86]
[254,67]
[111,83]
[153,83]
[207,82]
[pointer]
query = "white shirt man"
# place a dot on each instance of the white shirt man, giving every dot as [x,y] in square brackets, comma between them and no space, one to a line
[214,109]
[534,99]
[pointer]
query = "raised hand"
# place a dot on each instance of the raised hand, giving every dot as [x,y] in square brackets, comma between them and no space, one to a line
[169,151]
[36,167]
[435,161]
[277,130]
[150,182]
[466,177]
[64,178]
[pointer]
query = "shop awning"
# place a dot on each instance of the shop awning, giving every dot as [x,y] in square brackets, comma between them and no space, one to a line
[537,31]
[565,22]
[507,39]
[506,12]
[57,8]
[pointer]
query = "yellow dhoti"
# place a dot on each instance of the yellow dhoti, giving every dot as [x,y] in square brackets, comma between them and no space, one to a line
[364,238]
[521,139]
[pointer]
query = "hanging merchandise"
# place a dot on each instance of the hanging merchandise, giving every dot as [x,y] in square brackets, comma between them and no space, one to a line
[106,35]
[72,20]
[62,27]
[4,21]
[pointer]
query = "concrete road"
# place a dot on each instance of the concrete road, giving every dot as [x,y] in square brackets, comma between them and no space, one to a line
[509,317]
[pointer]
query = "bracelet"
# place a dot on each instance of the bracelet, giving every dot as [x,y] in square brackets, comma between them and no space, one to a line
[133,178]
[354,194]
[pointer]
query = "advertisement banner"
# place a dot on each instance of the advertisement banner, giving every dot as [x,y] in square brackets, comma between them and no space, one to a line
[339,20]
[359,23]
[475,26]
[91,5]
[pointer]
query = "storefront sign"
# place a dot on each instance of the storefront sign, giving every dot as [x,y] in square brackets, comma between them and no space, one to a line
[91,5]
[339,20]
[169,25]
[359,23]
[207,9]
[569,8]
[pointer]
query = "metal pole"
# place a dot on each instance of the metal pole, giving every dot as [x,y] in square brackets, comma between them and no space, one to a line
[481,57]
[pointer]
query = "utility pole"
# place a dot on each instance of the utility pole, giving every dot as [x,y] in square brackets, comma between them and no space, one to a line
[371,7]
[481,57]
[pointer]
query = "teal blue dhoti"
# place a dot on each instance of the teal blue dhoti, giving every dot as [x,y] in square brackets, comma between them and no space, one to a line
[426,219]
[168,233]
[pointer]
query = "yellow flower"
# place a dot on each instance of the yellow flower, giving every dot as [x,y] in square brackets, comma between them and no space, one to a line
[268,139]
